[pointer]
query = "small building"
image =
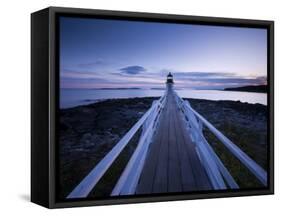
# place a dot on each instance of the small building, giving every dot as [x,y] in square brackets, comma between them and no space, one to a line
[170,78]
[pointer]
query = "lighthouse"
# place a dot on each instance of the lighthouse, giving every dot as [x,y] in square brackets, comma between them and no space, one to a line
[170,78]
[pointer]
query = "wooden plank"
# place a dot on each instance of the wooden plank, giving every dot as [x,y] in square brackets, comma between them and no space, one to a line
[202,179]
[187,177]
[147,177]
[160,184]
[174,171]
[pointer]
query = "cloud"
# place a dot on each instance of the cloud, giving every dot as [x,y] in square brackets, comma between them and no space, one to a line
[218,77]
[231,80]
[77,74]
[135,77]
[213,79]
[92,64]
[135,69]
[203,74]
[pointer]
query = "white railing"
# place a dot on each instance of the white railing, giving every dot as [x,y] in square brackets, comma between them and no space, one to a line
[217,172]
[127,182]
[130,175]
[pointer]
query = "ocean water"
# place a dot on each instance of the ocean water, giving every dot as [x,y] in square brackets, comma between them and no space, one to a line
[74,97]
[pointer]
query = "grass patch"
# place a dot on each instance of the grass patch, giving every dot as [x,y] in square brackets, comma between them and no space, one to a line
[106,184]
[246,140]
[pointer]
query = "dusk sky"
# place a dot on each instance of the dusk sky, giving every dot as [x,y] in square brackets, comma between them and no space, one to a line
[96,53]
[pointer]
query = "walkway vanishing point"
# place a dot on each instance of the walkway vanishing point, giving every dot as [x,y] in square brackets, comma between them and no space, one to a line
[172,154]
[172,164]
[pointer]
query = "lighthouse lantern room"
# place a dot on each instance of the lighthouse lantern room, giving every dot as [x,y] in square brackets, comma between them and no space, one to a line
[170,78]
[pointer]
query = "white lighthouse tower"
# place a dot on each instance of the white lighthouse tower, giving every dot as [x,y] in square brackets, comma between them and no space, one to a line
[170,81]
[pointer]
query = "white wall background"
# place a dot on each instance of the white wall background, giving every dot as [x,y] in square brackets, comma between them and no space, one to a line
[15,106]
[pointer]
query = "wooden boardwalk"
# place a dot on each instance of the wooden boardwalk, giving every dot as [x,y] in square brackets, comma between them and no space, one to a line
[172,164]
[168,162]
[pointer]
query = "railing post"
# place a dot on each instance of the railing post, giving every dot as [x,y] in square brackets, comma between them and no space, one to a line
[200,124]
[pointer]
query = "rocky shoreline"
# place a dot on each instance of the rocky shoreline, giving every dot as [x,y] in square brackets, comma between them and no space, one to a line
[88,132]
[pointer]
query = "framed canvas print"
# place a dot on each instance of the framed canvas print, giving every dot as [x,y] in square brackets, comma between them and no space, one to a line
[138,107]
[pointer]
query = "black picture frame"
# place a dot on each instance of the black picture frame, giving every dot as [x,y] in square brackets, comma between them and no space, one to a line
[45,102]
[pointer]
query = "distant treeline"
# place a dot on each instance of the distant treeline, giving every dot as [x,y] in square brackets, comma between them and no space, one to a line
[258,88]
